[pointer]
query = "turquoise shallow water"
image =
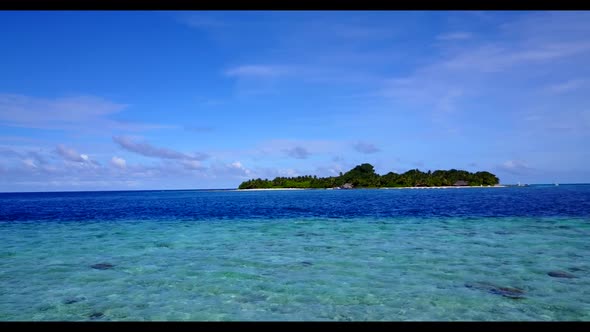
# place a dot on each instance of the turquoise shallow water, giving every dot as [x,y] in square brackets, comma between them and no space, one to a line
[311,269]
[300,268]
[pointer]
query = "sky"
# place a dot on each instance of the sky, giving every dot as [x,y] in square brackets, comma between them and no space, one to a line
[136,100]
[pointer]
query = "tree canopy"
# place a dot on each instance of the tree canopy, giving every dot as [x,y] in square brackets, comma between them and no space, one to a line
[364,176]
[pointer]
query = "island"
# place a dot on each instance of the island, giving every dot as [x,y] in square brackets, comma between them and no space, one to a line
[364,176]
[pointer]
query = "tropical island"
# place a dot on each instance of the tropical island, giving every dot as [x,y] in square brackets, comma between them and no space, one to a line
[364,176]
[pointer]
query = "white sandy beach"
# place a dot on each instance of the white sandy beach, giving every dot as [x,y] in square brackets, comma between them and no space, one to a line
[445,187]
[264,189]
[441,187]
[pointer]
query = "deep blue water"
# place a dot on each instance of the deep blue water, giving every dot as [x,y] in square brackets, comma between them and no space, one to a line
[532,201]
[517,253]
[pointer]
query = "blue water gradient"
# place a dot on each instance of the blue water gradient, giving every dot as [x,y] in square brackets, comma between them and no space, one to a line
[518,253]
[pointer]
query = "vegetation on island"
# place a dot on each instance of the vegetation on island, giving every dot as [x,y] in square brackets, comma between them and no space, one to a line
[364,176]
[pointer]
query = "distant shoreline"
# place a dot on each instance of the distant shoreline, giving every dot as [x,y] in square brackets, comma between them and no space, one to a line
[445,187]
[364,176]
[265,189]
[386,188]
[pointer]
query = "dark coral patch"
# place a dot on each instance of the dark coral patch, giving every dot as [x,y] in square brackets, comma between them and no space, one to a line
[96,315]
[561,274]
[509,292]
[102,266]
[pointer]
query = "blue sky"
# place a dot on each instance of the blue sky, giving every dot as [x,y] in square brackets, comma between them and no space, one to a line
[189,99]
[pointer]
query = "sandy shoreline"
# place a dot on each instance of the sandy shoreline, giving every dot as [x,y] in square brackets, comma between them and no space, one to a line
[265,189]
[444,187]
[386,188]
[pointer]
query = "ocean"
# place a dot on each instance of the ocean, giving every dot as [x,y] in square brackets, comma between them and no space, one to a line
[477,254]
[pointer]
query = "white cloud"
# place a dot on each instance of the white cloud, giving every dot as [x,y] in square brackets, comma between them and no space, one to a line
[68,113]
[238,166]
[234,169]
[515,167]
[71,154]
[30,163]
[25,111]
[148,150]
[498,57]
[501,71]
[118,162]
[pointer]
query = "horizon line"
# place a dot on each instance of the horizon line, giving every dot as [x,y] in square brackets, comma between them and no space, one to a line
[225,189]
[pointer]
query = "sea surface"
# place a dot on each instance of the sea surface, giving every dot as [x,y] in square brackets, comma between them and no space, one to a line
[485,254]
